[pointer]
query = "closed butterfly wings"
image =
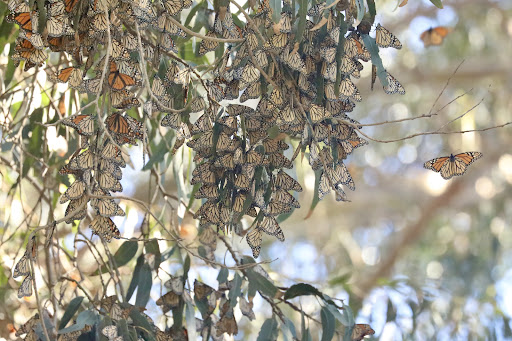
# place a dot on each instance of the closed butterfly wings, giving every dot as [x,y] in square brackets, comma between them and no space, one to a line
[449,166]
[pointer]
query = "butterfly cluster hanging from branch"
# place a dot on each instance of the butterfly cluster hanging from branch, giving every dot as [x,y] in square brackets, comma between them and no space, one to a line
[301,65]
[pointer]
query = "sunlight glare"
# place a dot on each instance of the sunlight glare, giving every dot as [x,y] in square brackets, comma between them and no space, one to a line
[505,165]
[435,270]
[485,188]
[435,184]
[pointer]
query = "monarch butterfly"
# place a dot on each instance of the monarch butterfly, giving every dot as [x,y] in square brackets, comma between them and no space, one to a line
[232,90]
[252,41]
[435,35]
[384,38]
[452,165]
[98,24]
[112,153]
[354,48]
[173,7]
[82,161]
[283,196]
[275,208]
[107,207]
[229,124]
[105,228]
[208,45]
[348,66]
[226,161]
[70,5]
[330,71]
[25,289]
[270,226]
[341,131]
[353,142]
[253,91]
[318,113]
[277,41]
[254,239]
[84,124]
[203,142]
[250,74]
[285,23]
[202,173]
[272,145]
[349,90]
[72,74]
[110,332]
[324,186]
[203,124]
[118,51]
[238,109]
[107,166]
[22,268]
[123,99]
[109,183]
[169,301]
[167,26]
[117,80]
[278,160]
[207,191]
[201,290]
[23,18]
[208,212]
[208,237]
[73,206]
[125,125]
[58,26]
[317,9]
[328,54]
[75,191]
[172,120]
[393,86]
[341,175]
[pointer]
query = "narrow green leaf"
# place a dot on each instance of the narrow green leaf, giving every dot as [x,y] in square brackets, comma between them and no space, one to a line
[336,313]
[371,45]
[328,324]
[268,330]
[276,10]
[301,289]
[301,26]
[186,267]
[122,327]
[145,283]
[191,321]
[86,317]
[222,277]
[360,9]
[70,311]
[159,151]
[123,255]
[372,9]
[153,248]
[261,283]
[193,12]
[348,316]
[142,325]
[9,73]
[135,278]
[235,290]
[316,198]
[288,329]
[437,3]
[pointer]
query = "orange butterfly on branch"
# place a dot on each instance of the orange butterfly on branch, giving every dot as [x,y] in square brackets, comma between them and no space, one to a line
[435,35]
[452,165]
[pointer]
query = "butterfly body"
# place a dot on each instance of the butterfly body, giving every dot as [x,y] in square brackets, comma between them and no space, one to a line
[449,166]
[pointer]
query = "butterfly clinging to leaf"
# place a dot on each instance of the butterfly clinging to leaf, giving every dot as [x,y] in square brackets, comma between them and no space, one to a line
[452,165]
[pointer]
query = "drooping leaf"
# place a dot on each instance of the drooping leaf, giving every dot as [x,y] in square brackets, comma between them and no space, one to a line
[328,324]
[86,317]
[301,289]
[123,255]
[70,311]
[261,283]
[316,198]
[235,290]
[135,277]
[144,287]
[268,330]
[437,3]
[371,45]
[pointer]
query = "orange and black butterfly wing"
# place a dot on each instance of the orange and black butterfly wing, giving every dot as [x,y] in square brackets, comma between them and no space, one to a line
[436,163]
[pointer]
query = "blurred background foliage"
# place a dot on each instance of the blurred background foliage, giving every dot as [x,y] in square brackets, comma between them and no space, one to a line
[413,255]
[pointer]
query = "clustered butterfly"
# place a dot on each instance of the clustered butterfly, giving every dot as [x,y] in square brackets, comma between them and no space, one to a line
[306,86]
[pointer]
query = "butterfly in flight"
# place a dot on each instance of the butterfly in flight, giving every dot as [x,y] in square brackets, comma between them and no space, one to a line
[452,165]
[435,35]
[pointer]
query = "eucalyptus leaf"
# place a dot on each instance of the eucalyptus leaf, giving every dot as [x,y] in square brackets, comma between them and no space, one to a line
[70,311]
